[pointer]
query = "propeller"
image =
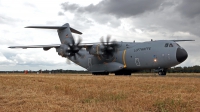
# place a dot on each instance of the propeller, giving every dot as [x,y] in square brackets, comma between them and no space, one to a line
[108,47]
[70,50]
[74,48]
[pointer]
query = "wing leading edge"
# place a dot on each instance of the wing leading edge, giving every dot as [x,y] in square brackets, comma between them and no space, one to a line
[181,40]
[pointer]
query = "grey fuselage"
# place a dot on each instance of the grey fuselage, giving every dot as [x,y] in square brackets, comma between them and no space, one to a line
[135,56]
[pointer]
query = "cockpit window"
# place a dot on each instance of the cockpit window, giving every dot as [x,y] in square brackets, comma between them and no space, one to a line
[170,45]
[166,45]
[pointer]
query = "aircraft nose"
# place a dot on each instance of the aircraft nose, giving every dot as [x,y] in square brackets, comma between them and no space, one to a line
[181,55]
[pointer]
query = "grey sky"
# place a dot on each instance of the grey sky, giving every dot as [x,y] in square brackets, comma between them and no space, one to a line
[118,8]
[179,16]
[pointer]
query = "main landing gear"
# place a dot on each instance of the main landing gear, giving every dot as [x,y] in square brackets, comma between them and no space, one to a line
[100,73]
[123,73]
[162,72]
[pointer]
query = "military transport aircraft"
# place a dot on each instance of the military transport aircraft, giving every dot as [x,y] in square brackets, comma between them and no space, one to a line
[121,58]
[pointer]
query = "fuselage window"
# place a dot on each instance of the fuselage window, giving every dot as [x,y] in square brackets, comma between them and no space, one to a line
[166,45]
[170,45]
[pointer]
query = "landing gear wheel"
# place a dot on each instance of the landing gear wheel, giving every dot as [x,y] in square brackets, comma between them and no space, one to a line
[127,73]
[123,73]
[106,73]
[117,73]
[100,73]
[162,72]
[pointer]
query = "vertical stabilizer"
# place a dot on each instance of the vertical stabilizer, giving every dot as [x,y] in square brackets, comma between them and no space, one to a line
[65,34]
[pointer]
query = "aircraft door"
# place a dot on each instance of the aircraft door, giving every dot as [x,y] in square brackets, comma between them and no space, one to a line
[89,62]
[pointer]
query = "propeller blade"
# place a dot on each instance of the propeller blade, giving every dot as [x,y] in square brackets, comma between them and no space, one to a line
[79,41]
[69,45]
[75,57]
[114,43]
[73,42]
[68,60]
[108,40]
[102,41]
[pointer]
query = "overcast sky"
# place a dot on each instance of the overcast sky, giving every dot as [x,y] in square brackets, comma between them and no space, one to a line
[127,20]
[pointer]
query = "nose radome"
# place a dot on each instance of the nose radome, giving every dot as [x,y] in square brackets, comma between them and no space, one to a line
[181,55]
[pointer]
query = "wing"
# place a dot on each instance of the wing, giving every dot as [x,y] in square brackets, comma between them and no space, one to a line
[181,40]
[36,46]
[47,47]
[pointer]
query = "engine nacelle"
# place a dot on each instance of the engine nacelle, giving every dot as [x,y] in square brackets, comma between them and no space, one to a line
[46,48]
[62,50]
[95,49]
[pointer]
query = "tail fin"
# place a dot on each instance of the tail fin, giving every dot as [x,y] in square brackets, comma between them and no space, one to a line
[64,31]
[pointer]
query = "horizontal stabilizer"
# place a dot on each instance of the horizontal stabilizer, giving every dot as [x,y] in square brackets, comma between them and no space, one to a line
[55,27]
[47,27]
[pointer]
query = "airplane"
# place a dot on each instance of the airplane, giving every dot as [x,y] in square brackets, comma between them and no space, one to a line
[120,58]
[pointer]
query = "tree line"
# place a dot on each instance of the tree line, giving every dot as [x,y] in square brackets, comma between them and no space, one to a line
[191,69]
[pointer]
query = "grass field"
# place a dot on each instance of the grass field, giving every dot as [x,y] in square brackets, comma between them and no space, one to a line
[76,92]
